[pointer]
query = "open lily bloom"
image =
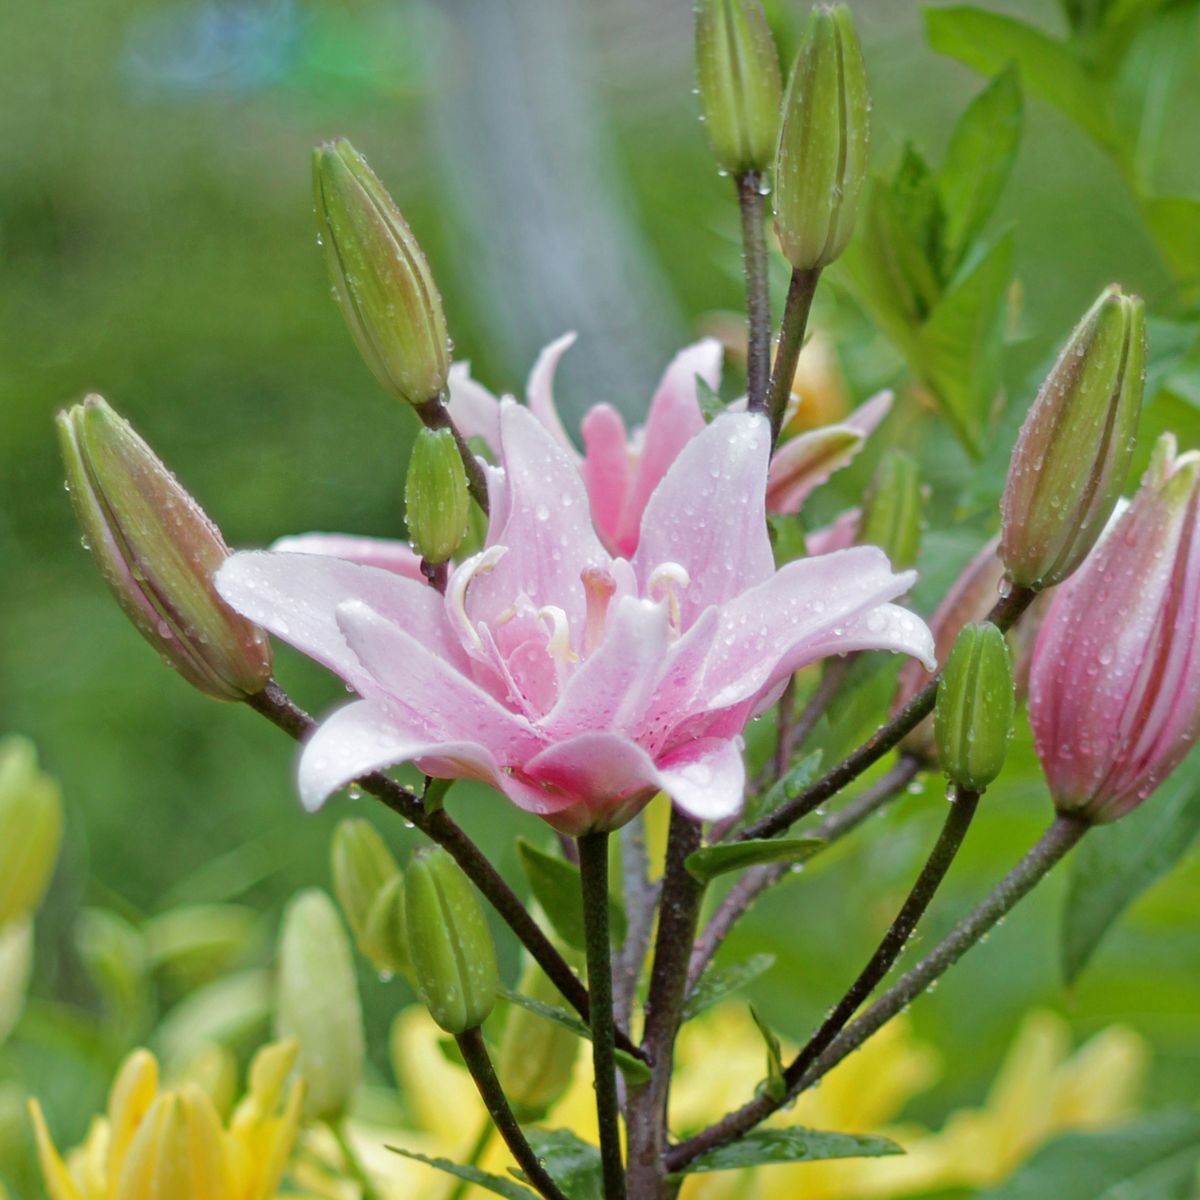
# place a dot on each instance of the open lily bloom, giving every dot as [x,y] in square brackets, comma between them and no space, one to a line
[577,683]
[621,469]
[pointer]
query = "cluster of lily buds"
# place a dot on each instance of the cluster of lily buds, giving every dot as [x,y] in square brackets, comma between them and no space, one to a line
[369,887]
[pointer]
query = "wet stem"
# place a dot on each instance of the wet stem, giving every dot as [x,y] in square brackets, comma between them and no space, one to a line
[751,202]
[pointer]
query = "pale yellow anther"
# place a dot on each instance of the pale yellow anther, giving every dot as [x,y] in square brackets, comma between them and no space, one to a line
[666,581]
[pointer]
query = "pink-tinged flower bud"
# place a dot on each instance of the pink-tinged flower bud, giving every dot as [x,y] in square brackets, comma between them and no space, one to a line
[738,73]
[1074,449]
[380,277]
[1114,690]
[158,551]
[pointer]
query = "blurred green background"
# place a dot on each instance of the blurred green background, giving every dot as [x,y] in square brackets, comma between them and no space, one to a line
[157,245]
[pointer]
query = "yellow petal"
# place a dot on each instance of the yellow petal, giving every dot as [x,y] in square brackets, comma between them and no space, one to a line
[132,1094]
[201,1146]
[146,1163]
[54,1171]
[268,1072]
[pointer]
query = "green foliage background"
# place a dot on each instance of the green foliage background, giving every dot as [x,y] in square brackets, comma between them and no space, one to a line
[157,245]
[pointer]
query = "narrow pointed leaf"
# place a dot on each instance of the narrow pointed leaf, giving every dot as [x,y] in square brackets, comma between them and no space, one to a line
[573,1163]
[509,1188]
[706,864]
[768,1147]
[555,883]
[718,982]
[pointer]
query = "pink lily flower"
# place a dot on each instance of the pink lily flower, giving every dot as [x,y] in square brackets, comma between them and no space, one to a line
[621,469]
[1114,689]
[575,682]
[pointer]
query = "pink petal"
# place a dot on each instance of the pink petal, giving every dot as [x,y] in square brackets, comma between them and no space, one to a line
[707,514]
[606,473]
[838,536]
[539,391]
[706,778]
[600,769]
[387,554]
[473,409]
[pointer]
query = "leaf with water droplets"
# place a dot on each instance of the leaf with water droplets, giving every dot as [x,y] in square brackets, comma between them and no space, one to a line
[706,864]
[718,982]
[573,1163]
[768,1147]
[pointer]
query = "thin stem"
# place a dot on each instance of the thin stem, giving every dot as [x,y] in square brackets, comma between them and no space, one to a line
[751,202]
[436,574]
[474,1155]
[791,338]
[641,899]
[1003,615]
[351,1161]
[737,901]
[1055,842]
[678,915]
[479,1063]
[783,724]
[435,415]
[593,870]
[832,677]
[275,704]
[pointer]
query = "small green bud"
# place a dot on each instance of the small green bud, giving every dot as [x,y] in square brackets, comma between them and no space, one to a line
[362,866]
[1073,452]
[158,552]
[738,72]
[16,966]
[197,942]
[821,160]
[114,954]
[30,828]
[449,943]
[386,938]
[317,1004]
[972,722]
[537,1057]
[380,277]
[891,516]
[436,500]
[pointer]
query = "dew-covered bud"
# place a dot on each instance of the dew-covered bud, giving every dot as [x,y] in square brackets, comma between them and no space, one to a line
[738,73]
[449,943]
[380,277]
[972,722]
[1074,449]
[821,160]
[436,500]
[30,828]
[891,515]
[158,551]
[386,935]
[318,1005]
[362,866]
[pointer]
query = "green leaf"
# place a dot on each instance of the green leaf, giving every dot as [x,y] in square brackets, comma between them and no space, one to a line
[706,864]
[1116,863]
[555,883]
[718,982]
[632,1068]
[498,1184]
[917,204]
[767,1147]
[1152,1158]
[711,405]
[787,537]
[1174,224]
[959,347]
[574,1163]
[988,42]
[775,1086]
[977,163]
[797,778]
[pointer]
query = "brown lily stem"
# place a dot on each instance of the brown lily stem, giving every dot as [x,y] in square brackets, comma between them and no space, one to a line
[275,704]
[479,1063]
[435,415]
[593,872]
[640,897]
[832,677]
[678,915]
[783,739]
[1003,615]
[737,901]
[1049,850]
[752,203]
[791,339]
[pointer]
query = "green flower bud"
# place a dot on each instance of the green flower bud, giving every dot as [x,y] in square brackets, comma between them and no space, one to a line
[537,1057]
[435,496]
[197,942]
[114,954]
[362,867]
[1073,452]
[16,966]
[380,277]
[821,160]
[449,943]
[972,722]
[317,1004]
[30,828]
[891,516]
[158,551]
[386,938]
[738,72]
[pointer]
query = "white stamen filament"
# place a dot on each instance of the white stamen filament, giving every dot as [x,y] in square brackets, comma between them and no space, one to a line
[599,587]
[456,591]
[666,581]
[559,645]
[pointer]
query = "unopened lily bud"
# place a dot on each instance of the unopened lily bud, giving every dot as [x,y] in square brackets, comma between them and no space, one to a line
[158,551]
[30,828]
[821,161]
[318,1004]
[449,943]
[891,516]
[1114,689]
[738,72]
[537,1057]
[380,277]
[1074,449]
[386,939]
[436,500]
[974,715]
[362,867]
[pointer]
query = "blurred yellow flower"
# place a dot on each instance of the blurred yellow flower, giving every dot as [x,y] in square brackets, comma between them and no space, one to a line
[171,1145]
